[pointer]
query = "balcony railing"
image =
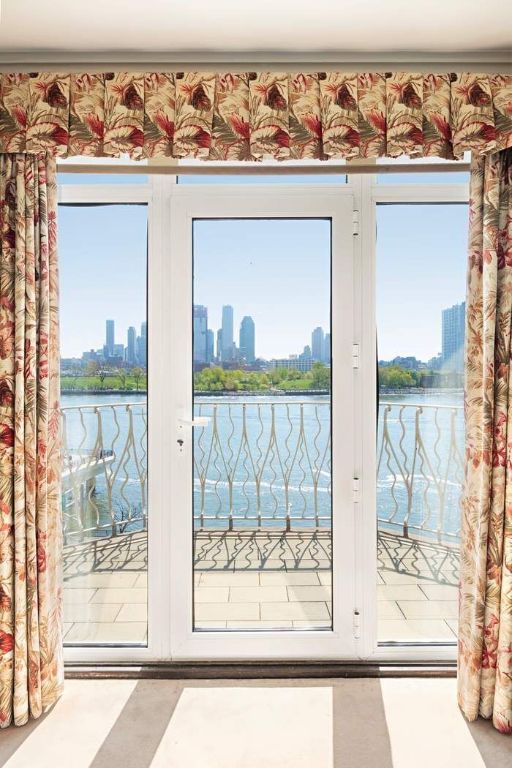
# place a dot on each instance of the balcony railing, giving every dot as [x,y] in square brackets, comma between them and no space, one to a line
[261,465]
[104,469]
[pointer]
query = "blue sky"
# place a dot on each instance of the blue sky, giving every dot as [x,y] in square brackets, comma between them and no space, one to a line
[275,271]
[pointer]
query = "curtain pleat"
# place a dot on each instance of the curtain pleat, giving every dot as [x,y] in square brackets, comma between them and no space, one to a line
[31,667]
[485,621]
[255,115]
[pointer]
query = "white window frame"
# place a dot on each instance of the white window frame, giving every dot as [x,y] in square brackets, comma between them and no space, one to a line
[157,194]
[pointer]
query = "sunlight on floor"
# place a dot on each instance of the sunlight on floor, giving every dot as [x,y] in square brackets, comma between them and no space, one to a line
[364,723]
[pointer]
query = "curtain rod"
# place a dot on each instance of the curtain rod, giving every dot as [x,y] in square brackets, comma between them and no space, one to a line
[258,169]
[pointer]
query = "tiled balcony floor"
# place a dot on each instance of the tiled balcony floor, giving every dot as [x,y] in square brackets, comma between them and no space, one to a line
[258,581]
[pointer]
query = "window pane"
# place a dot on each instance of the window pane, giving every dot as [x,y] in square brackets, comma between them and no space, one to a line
[104,422]
[421,266]
[262,462]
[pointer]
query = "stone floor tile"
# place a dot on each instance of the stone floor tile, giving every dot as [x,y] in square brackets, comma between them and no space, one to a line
[95,612]
[417,629]
[400,592]
[233,578]
[289,578]
[440,591]
[130,595]
[429,609]
[133,612]
[294,611]
[115,632]
[257,594]
[227,611]
[78,595]
[309,594]
[211,594]
[388,609]
[107,579]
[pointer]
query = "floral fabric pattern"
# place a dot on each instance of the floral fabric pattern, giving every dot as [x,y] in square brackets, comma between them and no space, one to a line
[31,669]
[485,621]
[254,115]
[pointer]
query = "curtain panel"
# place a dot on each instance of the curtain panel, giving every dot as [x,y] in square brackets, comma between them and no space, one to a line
[31,669]
[485,621]
[251,116]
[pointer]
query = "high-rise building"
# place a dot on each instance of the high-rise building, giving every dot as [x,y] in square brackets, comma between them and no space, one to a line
[142,345]
[317,344]
[200,334]
[219,344]
[453,323]
[247,339]
[227,333]
[109,338]
[131,351]
[326,358]
[210,343]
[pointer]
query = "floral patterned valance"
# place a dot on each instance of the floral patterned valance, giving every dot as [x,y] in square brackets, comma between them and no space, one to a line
[249,116]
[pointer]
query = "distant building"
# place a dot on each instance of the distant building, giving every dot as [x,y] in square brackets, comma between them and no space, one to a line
[109,338]
[327,349]
[306,353]
[131,346]
[293,363]
[227,334]
[317,344]
[142,346]
[210,344]
[247,340]
[453,323]
[200,334]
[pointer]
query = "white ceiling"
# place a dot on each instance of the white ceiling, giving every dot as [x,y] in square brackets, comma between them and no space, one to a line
[237,27]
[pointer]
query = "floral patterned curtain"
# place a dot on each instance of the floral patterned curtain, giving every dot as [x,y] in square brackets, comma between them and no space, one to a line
[485,625]
[31,669]
[255,115]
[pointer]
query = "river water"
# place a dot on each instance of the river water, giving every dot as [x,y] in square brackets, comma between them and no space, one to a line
[268,458]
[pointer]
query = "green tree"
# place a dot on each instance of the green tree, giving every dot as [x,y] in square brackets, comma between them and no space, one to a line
[137,375]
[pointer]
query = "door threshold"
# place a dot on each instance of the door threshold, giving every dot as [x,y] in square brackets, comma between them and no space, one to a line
[249,670]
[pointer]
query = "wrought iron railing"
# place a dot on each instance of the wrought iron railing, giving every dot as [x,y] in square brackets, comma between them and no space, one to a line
[104,469]
[262,464]
[420,470]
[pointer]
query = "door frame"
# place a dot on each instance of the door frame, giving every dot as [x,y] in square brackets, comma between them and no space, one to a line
[272,201]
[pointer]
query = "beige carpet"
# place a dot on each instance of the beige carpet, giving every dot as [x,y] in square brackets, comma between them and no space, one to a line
[402,723]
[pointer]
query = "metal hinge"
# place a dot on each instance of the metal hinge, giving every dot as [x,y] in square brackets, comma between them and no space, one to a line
[356,625]
[356,489]
[355,355]
[355,222]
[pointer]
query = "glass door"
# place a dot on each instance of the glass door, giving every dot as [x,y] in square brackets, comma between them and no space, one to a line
[260,411]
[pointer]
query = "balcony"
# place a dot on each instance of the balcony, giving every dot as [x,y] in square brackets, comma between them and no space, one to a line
[262,513]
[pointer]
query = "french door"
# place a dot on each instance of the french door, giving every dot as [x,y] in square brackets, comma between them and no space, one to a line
[258,465]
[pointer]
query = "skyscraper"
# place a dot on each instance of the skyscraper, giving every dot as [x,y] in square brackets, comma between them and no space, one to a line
[131,352]
[219,345]
[110,338]
[210,344]
[247,339]
[327,349]
[142,345]
[227,333]
[453,322]
[200,334]
[317,344]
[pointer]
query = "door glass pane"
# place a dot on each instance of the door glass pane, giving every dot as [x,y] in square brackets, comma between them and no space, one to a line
[104,422]
[421,265]
[262,463]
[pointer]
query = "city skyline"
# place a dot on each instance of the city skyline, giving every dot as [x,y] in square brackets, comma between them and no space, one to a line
[280,276]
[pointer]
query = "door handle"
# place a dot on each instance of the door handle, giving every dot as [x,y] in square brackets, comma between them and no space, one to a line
[198,421]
